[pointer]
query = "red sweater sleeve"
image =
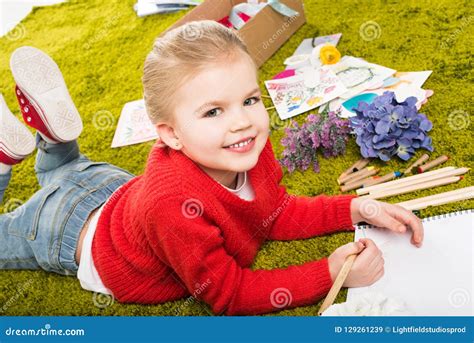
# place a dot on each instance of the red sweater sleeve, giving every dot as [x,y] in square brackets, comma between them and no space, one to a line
[195,250]
[300,217]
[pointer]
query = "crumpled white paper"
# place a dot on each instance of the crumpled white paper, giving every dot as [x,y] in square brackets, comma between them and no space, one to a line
[369,304]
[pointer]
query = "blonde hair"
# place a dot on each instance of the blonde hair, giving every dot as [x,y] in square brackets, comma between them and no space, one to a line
[178,55]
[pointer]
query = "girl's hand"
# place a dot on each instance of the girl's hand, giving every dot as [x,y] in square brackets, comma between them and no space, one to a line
[368,266]
[392,217]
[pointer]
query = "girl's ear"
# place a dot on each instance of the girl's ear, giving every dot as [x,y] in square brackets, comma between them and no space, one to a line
[168,136]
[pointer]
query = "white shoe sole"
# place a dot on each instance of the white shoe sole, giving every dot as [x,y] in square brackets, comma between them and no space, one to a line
[15,138]
[41,81]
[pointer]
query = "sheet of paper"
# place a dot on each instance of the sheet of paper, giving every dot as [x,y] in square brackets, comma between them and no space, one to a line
[306,45]
[133,126]
[434,280]
[357,75]
[413,78]
[403,84]
[303,92]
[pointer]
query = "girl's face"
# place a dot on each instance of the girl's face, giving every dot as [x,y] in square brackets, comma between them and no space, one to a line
[219,107]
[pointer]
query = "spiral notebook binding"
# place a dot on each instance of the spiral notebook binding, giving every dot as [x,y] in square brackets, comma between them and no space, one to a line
[448,215]
[428,219]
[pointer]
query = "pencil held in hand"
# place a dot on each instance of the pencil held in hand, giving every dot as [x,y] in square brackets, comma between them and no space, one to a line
[340,262]
[341,277]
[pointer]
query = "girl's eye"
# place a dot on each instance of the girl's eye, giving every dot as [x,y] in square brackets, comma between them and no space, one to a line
[255,99]
[211,113]
[248,102]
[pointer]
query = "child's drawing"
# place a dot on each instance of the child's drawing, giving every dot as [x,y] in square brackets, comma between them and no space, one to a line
[303,92]
[358,75]
[134,126]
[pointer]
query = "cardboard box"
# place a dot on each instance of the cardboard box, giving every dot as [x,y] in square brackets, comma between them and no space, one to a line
[263,34]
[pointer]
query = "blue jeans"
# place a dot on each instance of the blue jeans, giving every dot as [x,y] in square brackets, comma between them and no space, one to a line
[43,233]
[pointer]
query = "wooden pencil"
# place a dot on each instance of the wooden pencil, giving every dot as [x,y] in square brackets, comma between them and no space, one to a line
[370,180]
[407,179]
[455,172]
[382,179]
[411,188]
[356,184]
[358,165]
[361,174]
[432,164]
[336,287]
[439,199]
[421,160]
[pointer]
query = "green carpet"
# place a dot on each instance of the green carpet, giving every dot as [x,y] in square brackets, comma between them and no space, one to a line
[100,47]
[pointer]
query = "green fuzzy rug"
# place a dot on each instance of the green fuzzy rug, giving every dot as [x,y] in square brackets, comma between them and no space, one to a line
[100,47]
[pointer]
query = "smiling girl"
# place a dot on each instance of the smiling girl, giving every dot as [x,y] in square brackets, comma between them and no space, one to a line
[209,197]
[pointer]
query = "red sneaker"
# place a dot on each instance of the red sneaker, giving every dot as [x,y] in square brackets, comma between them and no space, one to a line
[16,141]
[43,96]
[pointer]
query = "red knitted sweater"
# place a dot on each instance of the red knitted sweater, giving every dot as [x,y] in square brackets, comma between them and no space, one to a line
[173,232]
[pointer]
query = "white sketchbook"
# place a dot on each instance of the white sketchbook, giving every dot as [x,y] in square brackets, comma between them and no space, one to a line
[434,280]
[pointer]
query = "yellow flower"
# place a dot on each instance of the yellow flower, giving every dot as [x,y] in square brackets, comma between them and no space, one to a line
[329,54]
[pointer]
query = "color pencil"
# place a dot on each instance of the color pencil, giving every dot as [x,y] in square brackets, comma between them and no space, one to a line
[370,180]
[382,179]
[365,172]
[419,161]
[411,188]
[354,168]
[356,184]
[434,163]
[405,180]
[455,172]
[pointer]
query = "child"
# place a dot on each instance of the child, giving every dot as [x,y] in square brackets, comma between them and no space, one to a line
[209,196]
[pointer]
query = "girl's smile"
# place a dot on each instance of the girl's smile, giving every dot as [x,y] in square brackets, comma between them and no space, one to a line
[242,145]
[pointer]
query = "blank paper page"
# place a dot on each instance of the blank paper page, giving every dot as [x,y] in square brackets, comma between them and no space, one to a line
[434,280]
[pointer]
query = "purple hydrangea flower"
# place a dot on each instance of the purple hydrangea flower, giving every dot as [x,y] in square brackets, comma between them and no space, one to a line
[326,132]
[386,128]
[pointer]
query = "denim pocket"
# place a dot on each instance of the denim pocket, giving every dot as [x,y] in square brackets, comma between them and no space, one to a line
[80,166]
[25,218]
